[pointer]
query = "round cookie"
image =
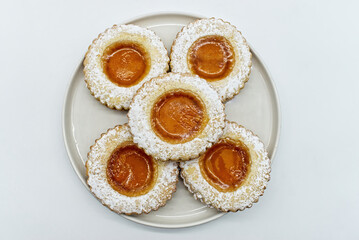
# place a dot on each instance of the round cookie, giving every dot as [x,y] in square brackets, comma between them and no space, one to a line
[216,51]
[120,60]
[124,178]
[176,117]
[232,174]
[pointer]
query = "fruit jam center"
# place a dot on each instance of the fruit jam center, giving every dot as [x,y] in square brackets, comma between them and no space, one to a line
[178,116]
[125,64]
[226,165]
[130,171]
[211,57]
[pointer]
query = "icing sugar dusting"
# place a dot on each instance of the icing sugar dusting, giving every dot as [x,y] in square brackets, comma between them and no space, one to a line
[100,86]
[96,168]
[140,117]
[249,192]
[231,85]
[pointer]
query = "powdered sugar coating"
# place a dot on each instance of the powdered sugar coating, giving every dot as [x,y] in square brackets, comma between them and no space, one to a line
[165,186]
[251,189]
[107,92]
[228,87]
[140,117]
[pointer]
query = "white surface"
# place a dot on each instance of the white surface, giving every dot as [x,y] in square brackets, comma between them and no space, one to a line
[311,49]
[85,119]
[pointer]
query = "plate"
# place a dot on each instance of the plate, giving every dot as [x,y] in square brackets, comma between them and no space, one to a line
[84,119]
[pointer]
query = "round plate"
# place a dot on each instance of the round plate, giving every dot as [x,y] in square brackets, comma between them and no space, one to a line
[84,119]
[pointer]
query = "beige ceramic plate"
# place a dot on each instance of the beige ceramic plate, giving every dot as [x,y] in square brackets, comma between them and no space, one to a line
[85,118]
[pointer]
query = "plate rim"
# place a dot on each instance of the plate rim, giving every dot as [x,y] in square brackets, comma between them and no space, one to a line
[67,144]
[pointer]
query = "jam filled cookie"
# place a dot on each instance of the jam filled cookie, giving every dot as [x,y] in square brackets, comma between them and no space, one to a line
[216,51]
[124,178]
[120,60]
[232,174]
[176,117]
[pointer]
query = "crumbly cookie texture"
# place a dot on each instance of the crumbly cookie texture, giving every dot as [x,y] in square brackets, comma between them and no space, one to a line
[98,83]
[228,87]
[253,186]
[139,117]
[165,184]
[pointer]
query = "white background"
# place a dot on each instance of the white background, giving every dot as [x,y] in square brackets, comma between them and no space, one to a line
[311,49]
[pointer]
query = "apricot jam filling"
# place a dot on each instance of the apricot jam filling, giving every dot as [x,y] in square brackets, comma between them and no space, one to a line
[130,171]
[211,57]
[178,116]
[125,63]
[225,165]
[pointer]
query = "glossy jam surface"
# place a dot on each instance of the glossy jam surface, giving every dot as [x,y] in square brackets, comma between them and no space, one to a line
[211,57]
[125,63]
[178,116]
[225,165]
[130,171]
